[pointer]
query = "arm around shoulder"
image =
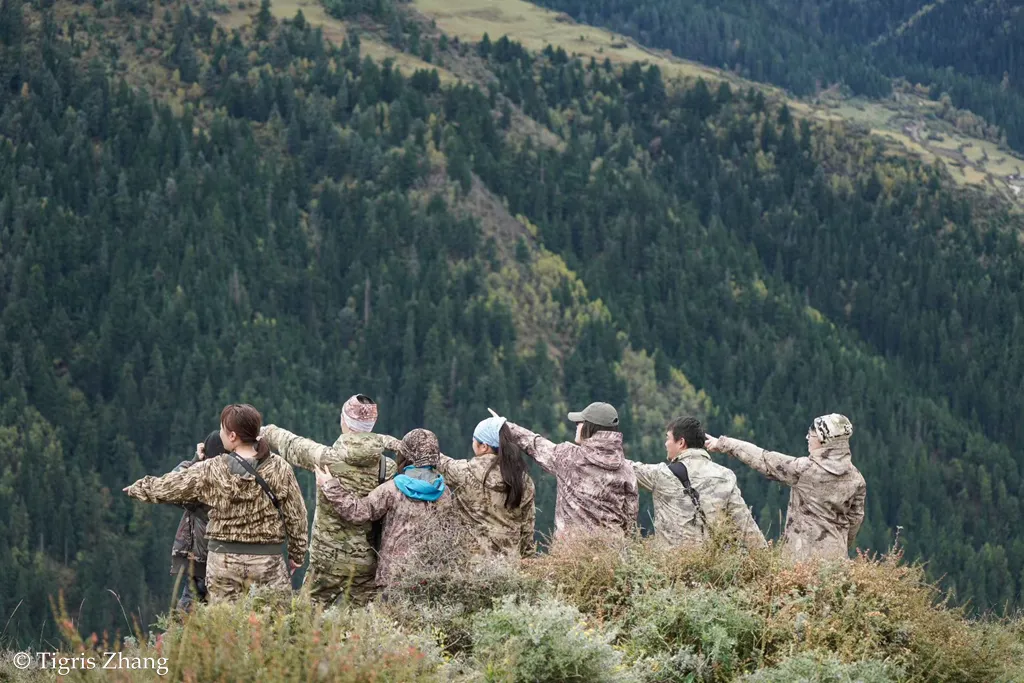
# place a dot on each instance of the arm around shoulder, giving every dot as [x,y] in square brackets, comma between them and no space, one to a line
[360,510]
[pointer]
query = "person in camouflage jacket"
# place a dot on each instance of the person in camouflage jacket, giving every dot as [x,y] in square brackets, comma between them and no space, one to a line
[493,491]
[189,551]
[597,489]
[405,503]
[342,557]
[826,501]
[246,531]
[682,517]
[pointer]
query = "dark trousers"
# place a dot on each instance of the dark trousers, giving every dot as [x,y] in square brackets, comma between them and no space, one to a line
[193,587]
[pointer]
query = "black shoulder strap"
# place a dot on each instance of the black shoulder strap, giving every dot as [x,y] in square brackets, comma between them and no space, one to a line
[377,528]
[683,475]
[266,489]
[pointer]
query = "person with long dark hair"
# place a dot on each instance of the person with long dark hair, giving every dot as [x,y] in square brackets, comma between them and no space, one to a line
[248,523]
[189,552]
[493,491]
[597,489]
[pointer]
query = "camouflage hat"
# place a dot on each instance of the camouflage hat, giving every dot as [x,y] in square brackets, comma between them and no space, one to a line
[422,447]
[831,427]
[601,414]
[359,413]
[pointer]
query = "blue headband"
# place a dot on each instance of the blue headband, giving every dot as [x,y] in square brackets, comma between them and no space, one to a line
[487,431]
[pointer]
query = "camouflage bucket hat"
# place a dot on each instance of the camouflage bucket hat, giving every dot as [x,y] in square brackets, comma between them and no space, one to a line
[832,427]
[421,447]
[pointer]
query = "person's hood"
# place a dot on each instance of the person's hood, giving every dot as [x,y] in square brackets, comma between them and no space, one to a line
[604,450]
[691,453]
[420,483]
[364,448]
[835,458]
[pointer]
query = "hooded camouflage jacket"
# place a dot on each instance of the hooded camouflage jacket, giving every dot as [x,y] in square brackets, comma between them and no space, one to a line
[190,546]
[676,521]
[597,489]
[405,520]
[479,494]
[240,511]
[354,460]
[826,503]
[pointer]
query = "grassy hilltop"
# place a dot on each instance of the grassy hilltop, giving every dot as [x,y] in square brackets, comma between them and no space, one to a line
[587,613]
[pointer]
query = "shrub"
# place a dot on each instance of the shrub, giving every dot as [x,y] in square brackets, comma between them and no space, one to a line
[712,632]
[825,668]
[440,588]
[521,642]
[248,642]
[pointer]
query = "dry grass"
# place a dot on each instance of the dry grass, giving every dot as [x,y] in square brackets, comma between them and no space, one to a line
[644,613]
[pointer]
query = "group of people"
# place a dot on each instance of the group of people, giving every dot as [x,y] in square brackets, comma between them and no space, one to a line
[244,511]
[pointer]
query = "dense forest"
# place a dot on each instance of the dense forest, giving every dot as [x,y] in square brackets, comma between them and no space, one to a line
[974,51]
[314,228]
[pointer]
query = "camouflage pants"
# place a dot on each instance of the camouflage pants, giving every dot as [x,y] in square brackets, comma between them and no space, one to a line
[353,584]
[229,575]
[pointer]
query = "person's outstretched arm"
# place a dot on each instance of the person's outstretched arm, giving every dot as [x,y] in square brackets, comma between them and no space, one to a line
[298,451]
[773,465]
[646,477]
[189,485]
[456,472]
[546,453]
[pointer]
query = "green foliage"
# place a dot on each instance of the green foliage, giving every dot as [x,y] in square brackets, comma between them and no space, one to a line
[812,668]
[281,240]
[715,625]
[970,50]
[520,642]
[257,639]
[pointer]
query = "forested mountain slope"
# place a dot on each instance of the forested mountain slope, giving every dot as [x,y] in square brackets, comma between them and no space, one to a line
[972,50]
[284,221]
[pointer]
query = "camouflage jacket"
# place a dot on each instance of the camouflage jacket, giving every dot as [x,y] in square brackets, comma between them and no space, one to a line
[676,521]
[190,539]
[240,511]
[479,494]
[354,460]
[405,520]
[597,489]
[826,503]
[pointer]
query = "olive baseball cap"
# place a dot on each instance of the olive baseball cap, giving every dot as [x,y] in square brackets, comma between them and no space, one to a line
[601,414]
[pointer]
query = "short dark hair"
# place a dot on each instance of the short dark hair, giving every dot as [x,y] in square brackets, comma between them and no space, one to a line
[365,400]
[688,428]
[589,429]
[213,446]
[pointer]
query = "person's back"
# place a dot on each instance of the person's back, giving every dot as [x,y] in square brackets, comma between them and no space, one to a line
[676,519]
[826,508]
[597,489]
[681,516]
[342,559]
[493,491]
[826,502]
[246,530]
[407,504]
